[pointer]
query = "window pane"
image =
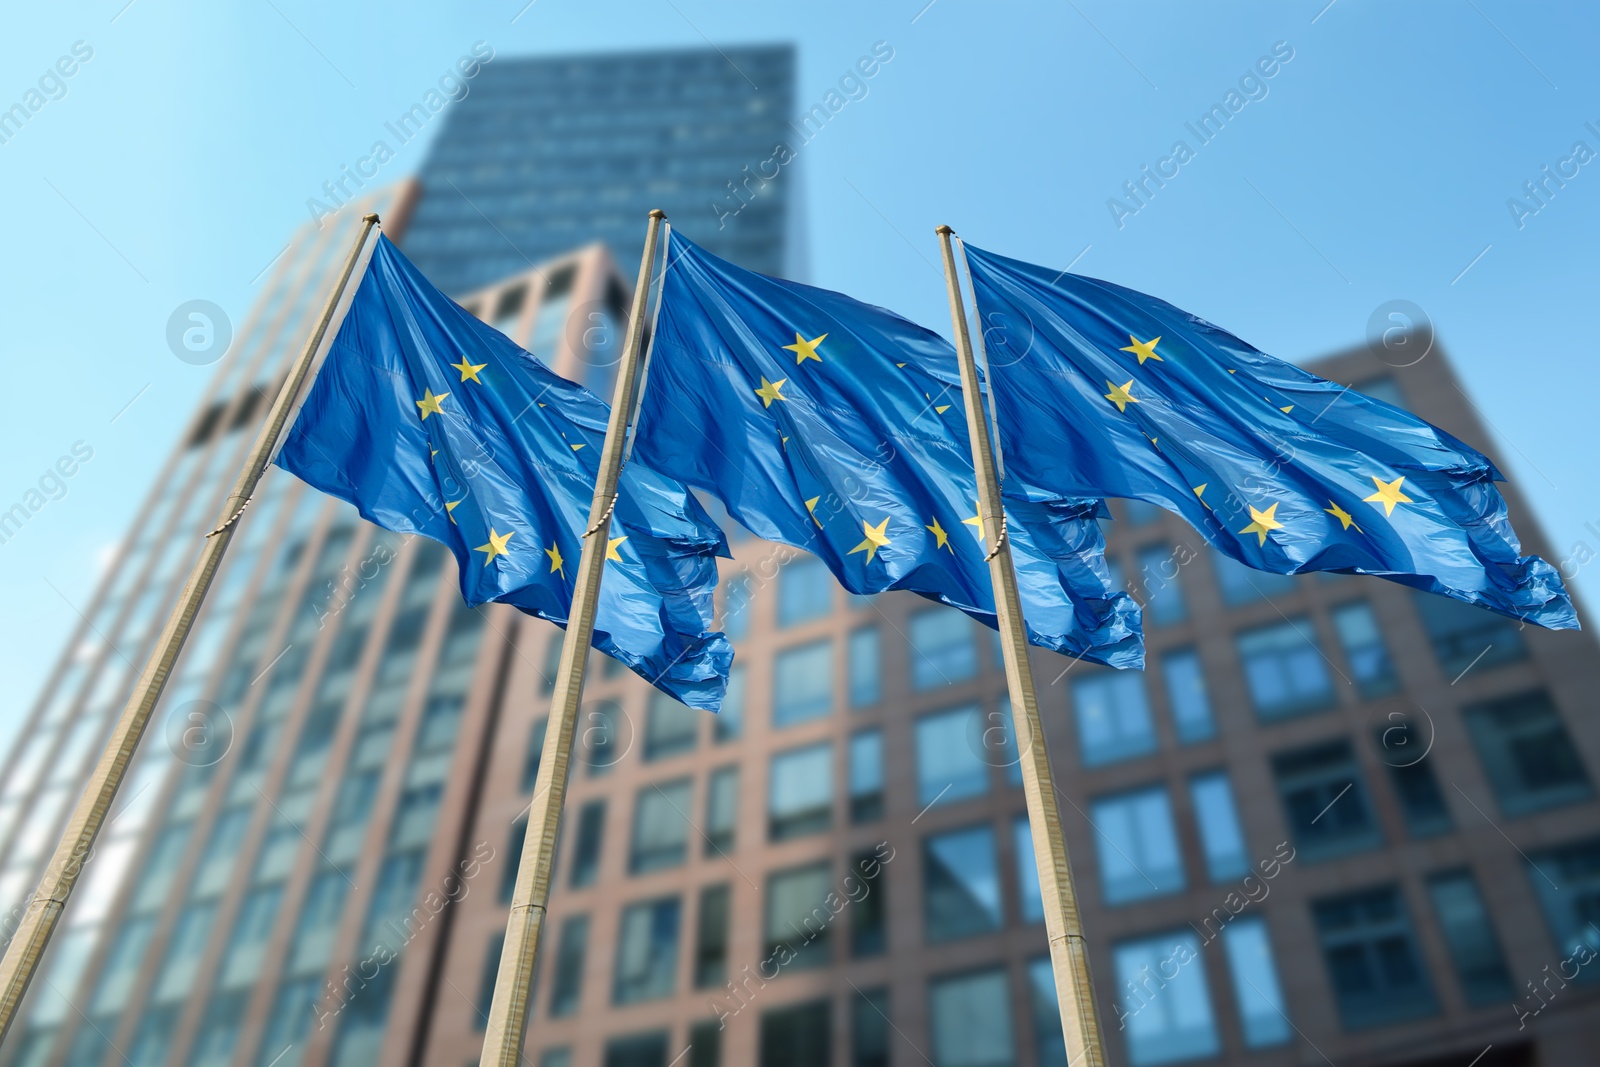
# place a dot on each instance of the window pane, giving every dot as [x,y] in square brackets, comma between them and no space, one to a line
[1468,930]
[866,687]
[603,742]
[1137,845]
[1567,880]
[711,937]
[866,776]
[1421,800]
[869,918]
[1372,958]
[570,953]
[796,1036]
[948,769]
[1285,669]
[1140,512]
[1163,596]
[705,1044]
[729,723]
[670,727]
[530,762]
[647,951]
[805,590]
[802,683]
[1051,1046]
[722,810]
[1166,1006]
[1255,983]
[798,920]
[1218,819]
[1526,753]
[486,976]
[943,648]
[1186,693]
[960,884]
[637,1050]
[1364,650]
[660,826]
[1466,636]
[1031,906]
[971,1020]
[1241,584]
[586,849]
[869,1028]
[1325,800]
[1113,717]
[736,607]
[800,800]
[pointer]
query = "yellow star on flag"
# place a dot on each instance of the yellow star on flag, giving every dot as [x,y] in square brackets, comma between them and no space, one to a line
[1265,521]
[804,350]
[1143,349]
[611,548]
[556,562]
[1200,491]
[496,546]
[1388,494]
[769,391]
[938,409]
[811,507]
[1120,396]
[941,539]
[429,404]
[976,520]
[876,538]
[450,505]
[469,370]
[1346,520]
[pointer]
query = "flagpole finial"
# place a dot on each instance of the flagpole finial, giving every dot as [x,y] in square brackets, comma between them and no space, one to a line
[371,216]
[657,213]
[943,231]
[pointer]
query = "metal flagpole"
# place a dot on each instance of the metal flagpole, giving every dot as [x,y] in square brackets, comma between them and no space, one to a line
[44,909]
[513,983]
[1069,953]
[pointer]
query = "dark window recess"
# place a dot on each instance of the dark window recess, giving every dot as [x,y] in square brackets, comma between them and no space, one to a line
[637,1050]
[1421,800]
[491,967]
[508,873]
[511,303]
[869,1028]
[1466,636]
[705,1044]
[1526,753]
[711,938]
[1469,932]
[869,914]
[1372,957]
[552,662]
[253,401]
[530,763]
[617,300]
[586,850]
[561,284]
[796,1036]
[206,425]
[1325,800]
[568,983]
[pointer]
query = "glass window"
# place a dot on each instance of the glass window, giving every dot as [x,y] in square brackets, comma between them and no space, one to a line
[1031,899]
[722,810]
[1166,1005]
[551,666]
[948,767]
[866,776]
[961,886]
[219,1030]
[736,607]
[660,826]
[729,722]
[247,947]
[603,743]
[1465,636]
[1137,845]
[1526,753]
[556,1057]
[1163,596]
[670,727]
[1469,932]
[798,918]
[1567,880]
[805,590]
[796,1034]
[1241,584]
[530,763]
[1220,834]
[802,683]
[570,953]
[1325,800]
[1372,957]
[1050,1047]
[288,1021]
[800,800]
[1113,717]
[1255,982]
[970,1020]
[866,687]
[943,648]
[1140,512]
[869,912]
[637,1050]
[647,951]
[1421,800]
[1364,650]
[1285,669]
[586,849]
[705,1044]
[711,937]
[1186,693]
[869,1028]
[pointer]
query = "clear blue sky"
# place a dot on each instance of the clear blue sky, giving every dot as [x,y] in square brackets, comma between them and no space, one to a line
[1377,167]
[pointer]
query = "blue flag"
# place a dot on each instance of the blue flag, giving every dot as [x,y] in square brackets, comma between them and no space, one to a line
[814,418]
[431,422]
[1104,390]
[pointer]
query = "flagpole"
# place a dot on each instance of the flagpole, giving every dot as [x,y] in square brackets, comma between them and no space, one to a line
[43,910]
[513,983]
[1069,952]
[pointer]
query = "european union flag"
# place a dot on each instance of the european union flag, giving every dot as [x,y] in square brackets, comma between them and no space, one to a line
[432,422]
[816,420]
[1104,390]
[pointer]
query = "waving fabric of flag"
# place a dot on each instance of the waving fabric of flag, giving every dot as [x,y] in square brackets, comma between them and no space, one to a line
[1103,390]
[816,419]
[431,422]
